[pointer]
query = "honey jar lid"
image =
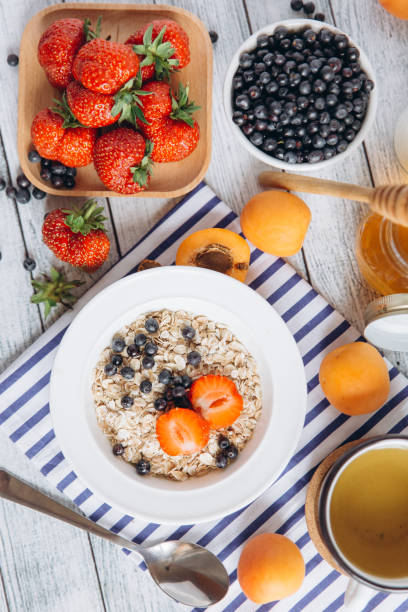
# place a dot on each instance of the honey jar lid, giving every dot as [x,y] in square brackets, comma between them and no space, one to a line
[386,322]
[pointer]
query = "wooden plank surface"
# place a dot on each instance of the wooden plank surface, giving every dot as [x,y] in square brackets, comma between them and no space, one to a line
[38,576]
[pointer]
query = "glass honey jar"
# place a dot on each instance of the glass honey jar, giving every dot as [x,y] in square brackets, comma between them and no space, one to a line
[382,254]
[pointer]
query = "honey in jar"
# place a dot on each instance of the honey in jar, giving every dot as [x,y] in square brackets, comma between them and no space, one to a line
[382,254]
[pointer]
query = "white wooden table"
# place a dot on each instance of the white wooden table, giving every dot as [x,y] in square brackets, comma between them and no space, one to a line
[47,566]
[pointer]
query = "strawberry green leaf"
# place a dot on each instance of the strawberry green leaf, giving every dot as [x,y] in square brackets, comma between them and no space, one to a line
[128,102]
[144,170]
[90,34]
[52,290]
[62,108]
[86,219]
[181,108]
[158,53]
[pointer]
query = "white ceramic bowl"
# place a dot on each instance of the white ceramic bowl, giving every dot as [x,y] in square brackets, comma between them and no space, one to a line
[254,322]
[248,46]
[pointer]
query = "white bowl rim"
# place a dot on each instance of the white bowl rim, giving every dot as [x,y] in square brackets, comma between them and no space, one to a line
[248,45]
[79,443]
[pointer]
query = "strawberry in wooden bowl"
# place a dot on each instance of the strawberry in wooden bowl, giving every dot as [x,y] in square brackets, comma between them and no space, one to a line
[100,72]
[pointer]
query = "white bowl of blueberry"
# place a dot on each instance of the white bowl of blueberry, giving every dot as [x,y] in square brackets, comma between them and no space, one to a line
[300,94]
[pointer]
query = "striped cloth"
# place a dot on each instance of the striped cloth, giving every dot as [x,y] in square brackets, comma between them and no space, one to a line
[316,327]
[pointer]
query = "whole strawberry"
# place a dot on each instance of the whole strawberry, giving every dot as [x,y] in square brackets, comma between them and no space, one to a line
[122,160]
[57,135]
[77,236]
[162,43]
[91,108]
[95,109]
[104,66]
[57,48]
[172,131]
[158,104]
[173,140]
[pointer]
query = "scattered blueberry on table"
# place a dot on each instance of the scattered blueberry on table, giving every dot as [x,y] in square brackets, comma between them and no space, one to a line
[29,264]
[12,59]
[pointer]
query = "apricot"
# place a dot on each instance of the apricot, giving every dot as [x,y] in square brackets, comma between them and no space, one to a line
[217,249]
[276,222]
[354,378]
[270,567]
[399,8]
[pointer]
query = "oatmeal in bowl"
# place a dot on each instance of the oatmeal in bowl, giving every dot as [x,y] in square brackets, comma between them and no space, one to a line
[177,394]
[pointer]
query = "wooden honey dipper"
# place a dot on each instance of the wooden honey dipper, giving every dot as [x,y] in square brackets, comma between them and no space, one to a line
[390,201]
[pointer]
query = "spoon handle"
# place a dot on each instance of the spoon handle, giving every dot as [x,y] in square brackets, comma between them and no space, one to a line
[15,490]
[310,184]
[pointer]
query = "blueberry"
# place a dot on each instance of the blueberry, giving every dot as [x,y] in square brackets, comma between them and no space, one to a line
[368,85]
[34,156]
[45,174]
[298,57]
[110,369]
[341,41]
[168,395]
[302,102]
[160,404]
[342,146]
[324,118]
[213,36]
[314,156]
[178,391]
[309,8]
[232,452]
[127,372]
[331,99]
[118,449]
[269,145]
[288,132]
[256,138]
[71,171]
[268,59]
[223,442]
[309,36]
[312,128]
[245,60]
[45,163]
[143,467]
[254,92]
[118,344]
[182,402]
[133,350]
[315,65]
[249,76]
[264,78]
[38,194]
[288,66]
[334,89]
[194,358]
[176,380]
[260,126]
[188,332]
[12,59]
[57,181]
[318,142]
[296,5]
[126,401]
[305,88]
[285,43]
[147,362]
[304,70]
[325,36]
[332,140]
[165,377]
[312,114]
[358,105]
[319,17]
[319,86]
[69,182]
[186,381]
[282,79]
[320,103]
[150,348]
[280,33]
[259,67]
[280,153]
[356,125]
[57,168]
[262,41]
[340,111]
[221,460]
[353,54]
[327,74]
[117,360]
[294,79]
[140,339]
[283,92]
[350,135]
[329,152]
[248,129]
[23,196]
[22,181]
[2,184]
[272,87]
[289,144]
[29,264]
[145,386]
[237,82]
[324,130]
[280,59]
[242,101]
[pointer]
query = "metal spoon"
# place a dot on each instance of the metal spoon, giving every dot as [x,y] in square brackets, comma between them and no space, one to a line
[188,573]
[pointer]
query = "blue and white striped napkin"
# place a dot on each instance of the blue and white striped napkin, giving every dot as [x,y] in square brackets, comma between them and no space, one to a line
[316,327]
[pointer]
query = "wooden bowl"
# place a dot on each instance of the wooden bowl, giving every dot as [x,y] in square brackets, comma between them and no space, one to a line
[120,21]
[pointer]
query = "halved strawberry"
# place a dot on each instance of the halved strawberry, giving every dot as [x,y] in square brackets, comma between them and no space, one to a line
[182,431]
[217,399]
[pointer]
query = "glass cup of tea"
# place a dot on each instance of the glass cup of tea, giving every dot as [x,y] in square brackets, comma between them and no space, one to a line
[363,517]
